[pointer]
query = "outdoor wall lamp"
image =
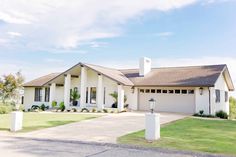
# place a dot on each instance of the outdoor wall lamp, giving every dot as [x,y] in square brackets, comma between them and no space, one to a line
[152,104]
[201,90]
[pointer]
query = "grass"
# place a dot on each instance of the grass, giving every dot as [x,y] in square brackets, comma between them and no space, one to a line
[213,136]
[36,121]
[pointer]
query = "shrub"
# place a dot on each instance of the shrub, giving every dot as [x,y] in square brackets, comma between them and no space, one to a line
[222,114]
[54,104]
[94,110]
[62,107]
[4,109]
[74,110]
[105,110]
[43,107]
[232,104]
[35,108]
[68,110]
[201,112]
[84,109]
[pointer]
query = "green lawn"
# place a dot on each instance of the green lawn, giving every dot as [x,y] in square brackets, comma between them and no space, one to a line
[213,136]
[35,121]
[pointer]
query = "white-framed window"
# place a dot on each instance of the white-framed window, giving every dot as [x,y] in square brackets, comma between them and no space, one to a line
[147,91]
[164,91]
[141,90]
[217,92]
[158,90]
[38,94]
[226,96]
[153,91]
[47,94]
[184,91]
[177,91]
[170,91]
[190,91]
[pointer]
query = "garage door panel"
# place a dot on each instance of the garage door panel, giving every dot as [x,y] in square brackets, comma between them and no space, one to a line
[182,103]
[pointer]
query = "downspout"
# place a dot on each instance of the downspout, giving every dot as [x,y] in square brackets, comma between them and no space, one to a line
[209,100]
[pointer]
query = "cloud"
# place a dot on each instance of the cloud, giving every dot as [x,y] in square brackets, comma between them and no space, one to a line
[63,24]
[14,34]
[164,34]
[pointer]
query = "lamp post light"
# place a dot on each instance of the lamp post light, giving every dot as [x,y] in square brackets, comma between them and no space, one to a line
[152,104]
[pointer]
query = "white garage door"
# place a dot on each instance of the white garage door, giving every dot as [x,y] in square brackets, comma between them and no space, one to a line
[168,100]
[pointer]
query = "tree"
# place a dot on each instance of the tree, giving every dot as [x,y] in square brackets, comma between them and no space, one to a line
[74,96]
[10,86]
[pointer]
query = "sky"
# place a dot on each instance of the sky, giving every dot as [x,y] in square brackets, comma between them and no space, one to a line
[44,36]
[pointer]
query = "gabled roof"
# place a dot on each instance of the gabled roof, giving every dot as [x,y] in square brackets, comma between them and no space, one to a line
[113,74]
[193,76]
[39,82]
[189,76]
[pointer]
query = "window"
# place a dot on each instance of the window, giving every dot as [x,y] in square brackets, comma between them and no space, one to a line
[147,91]
[177,91]
[184,91]
[171,91]
[38,94]
[190,91]
[217,91]
[153,91]
[164,91]
[104,96]
[47,94]
[226,96]
[158,90]
[93,95]
[86,95]
[141,90]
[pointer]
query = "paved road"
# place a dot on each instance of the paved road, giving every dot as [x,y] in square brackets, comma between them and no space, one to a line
[104,129]
[26,147]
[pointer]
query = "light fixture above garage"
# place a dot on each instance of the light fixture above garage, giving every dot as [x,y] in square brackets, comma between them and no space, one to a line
[201,91]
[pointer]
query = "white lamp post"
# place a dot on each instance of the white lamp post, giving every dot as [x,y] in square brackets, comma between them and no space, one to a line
[152,126]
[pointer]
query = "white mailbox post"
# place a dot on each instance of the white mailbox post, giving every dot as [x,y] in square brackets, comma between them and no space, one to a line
[16,121]
[152,123]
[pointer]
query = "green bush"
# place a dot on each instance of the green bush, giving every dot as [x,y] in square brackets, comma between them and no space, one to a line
[4,109]
[62,107]
[54,104]
[232,110]
[74,110]
[84,109]
[94,110]
[201,112]
[222,114]
[35,107]
[43,107]
[105,110]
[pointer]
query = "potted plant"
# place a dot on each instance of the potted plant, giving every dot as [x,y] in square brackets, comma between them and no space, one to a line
[115,97]
[74,96]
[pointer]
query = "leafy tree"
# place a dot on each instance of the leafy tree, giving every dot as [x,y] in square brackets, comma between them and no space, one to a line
[232,103]
[10,86]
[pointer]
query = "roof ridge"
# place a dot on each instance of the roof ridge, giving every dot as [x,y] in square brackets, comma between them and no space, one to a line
[178,67]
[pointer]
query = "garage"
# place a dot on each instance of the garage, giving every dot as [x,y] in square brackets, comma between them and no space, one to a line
[180,100]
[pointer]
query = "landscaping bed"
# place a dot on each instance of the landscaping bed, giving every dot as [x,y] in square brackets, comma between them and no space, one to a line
[213,136]
[35,121]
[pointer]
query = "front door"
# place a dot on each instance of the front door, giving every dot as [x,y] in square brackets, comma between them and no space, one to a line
[93,93]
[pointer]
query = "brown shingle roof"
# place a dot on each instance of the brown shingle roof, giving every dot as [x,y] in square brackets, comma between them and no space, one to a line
[177,76]
[41,80]
[113,74]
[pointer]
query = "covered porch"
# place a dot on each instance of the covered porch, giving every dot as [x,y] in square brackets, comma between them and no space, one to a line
[93,86]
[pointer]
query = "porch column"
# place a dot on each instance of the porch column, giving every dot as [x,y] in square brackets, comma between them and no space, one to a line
[120,103]
[83,80]
[67,85]
[99,96]
[52,93]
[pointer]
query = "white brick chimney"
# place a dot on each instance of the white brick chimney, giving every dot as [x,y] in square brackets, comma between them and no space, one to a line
[144,66]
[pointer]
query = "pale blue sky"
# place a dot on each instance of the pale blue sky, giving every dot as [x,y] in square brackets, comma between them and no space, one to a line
[45,36]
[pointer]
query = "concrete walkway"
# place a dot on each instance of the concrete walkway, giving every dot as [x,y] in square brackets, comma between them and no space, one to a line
[105,129]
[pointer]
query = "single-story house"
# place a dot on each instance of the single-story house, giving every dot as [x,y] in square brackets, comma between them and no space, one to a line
[186,89]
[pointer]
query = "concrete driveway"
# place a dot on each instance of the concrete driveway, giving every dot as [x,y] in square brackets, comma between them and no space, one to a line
[103,129]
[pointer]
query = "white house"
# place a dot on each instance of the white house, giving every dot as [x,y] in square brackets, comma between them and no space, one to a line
[175,89]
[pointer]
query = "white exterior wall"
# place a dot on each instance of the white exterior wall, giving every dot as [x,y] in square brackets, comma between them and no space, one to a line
[29,97]
[132,97]
[222,105]
[59,94]
[202,101]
